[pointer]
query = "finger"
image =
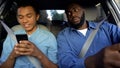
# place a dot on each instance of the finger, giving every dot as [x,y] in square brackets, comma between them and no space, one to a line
[115,47]
[115,60]
[24,52]
[22,46]
[24,42]
[108,66]
[23,49]
[115,63]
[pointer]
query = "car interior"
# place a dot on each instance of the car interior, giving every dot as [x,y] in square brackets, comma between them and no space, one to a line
[53,15]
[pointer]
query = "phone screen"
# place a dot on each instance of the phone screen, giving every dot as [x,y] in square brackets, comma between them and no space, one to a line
[21,37]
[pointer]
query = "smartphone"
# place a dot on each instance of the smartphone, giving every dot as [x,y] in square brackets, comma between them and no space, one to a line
[21,37]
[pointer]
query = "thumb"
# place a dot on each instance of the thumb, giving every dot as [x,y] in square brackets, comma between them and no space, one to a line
[115,47]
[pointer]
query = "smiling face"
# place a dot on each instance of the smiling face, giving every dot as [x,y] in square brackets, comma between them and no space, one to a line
[75,15]
[27,17]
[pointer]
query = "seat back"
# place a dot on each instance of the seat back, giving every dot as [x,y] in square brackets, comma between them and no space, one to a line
[18,27]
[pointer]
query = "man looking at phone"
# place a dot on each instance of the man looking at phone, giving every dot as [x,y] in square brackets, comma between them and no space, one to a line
[41,44]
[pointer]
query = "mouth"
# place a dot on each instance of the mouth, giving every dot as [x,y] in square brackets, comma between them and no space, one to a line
[26,25]
[76,19]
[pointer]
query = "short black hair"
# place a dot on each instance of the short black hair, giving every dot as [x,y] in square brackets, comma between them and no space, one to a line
[71,4]
[24,3]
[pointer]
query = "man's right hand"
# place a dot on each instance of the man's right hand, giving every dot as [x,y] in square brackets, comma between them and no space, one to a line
[108,57]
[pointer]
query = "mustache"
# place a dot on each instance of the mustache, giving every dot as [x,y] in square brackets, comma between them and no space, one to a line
[75,17]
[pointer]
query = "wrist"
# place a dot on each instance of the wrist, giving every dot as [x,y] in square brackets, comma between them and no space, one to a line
[12,57]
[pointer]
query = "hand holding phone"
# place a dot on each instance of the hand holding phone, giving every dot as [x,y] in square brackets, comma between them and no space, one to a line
[21,37]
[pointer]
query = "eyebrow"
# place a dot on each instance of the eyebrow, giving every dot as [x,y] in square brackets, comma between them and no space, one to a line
[23,15]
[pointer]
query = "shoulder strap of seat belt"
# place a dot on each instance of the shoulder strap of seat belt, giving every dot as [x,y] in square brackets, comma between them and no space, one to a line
[89,40]
[33,60]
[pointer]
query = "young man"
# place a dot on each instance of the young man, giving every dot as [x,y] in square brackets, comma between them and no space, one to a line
[100,53]
[41,44]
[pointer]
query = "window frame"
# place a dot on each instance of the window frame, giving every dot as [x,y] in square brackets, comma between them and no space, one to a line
[115,11]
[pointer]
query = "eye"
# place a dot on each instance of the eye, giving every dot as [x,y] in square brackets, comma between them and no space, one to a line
[69,13]
[29,15]
[76,10]
[20,17]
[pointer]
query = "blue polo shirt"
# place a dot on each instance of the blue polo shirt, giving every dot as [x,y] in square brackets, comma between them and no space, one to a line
[44,40]
[70,42]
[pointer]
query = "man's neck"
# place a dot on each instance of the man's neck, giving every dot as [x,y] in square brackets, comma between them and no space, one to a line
[84,26]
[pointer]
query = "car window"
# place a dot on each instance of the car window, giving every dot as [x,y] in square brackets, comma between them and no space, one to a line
[118,3]
[55,20]
[47,16]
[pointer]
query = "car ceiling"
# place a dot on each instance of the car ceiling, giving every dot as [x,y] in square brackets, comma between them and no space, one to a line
[61,4]
[55,4]
[48,4]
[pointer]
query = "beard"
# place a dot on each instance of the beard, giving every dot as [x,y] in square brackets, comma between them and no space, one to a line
[78,25]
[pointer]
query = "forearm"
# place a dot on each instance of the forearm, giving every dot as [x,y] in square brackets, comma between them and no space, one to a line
[95,61]
[90,62]
[46,63]
[9,63]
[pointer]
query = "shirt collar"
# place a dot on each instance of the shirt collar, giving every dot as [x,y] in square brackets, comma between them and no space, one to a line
[91,25]
[35,31]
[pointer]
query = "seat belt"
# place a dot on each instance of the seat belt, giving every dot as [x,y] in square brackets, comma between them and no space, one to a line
[33,60]
[89,40]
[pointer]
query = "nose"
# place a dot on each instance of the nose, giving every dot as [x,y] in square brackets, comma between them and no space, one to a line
[73,14]
[25,20]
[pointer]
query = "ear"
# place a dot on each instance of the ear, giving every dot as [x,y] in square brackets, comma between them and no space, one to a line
[38,16]
[83,9]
